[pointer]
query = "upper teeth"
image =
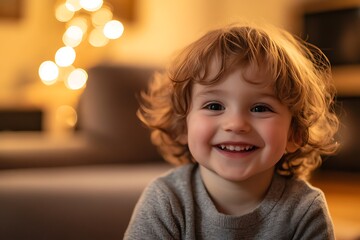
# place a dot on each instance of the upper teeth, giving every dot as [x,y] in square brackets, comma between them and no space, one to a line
[235,148]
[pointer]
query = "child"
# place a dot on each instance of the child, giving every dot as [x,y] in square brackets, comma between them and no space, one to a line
[247,111]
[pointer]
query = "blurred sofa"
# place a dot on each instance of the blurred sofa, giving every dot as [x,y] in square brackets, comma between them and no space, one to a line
[83,185]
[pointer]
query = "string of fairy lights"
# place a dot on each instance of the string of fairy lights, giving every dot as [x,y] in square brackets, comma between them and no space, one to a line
[85,20]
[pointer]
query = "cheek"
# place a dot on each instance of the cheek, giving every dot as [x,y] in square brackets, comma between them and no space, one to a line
[277,134]
[200,131]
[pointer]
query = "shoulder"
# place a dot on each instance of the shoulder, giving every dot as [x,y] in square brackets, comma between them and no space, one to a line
[183,172]
[302,191]
[298,195]
[164,206]
[292,198]
[176,178]
[308,209]
[172,187]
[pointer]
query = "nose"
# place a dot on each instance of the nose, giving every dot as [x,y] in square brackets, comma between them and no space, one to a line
[237,122]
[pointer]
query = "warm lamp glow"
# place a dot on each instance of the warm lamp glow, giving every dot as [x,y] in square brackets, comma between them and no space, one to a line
[73,36]
[64,73]
[80,22]
[97,38]
[65,56]
[91,5]
[90,20]
[73,5]
[77,79]
[101,17]
[66,115]
[113,29]
[48,72]
[63,14]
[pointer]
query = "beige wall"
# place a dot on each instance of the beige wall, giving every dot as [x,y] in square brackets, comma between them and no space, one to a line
[23,45]
[161,27]
[165,26]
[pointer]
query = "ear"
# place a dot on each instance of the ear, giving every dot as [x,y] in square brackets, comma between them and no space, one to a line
[291,146]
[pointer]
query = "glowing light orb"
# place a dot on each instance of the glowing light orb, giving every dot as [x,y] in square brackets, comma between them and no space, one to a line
[73,36]
[101,17]
[63,14]
[91,5]
[97,38]
[73,5]
[113,29]
[77,79]
[65,56]
[48,72]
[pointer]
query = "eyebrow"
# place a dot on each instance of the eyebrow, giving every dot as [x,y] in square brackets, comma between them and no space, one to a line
[210,91]
[206,91]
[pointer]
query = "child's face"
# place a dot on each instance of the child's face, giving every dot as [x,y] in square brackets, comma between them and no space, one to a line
[238,129]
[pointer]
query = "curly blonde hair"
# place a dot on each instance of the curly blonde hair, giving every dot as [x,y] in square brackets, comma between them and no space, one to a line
[302,81]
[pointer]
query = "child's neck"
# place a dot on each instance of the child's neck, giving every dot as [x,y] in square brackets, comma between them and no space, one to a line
[236,198]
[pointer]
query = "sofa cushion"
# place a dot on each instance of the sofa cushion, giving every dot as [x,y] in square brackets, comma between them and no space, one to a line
[107,111]
[87,202]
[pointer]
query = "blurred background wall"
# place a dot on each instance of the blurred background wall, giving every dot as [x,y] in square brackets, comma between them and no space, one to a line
[155,30]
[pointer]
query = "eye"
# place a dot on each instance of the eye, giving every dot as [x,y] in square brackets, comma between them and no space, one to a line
[214,107]
[261,108]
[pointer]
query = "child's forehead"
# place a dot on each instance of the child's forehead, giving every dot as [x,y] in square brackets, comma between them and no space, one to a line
[255,73]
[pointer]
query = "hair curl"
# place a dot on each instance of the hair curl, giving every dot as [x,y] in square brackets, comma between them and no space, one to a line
[302,81]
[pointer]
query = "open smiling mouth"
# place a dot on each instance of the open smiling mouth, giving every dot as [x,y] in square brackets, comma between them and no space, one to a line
[236,148]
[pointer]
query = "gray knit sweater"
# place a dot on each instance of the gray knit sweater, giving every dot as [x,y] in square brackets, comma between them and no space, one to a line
[177,206]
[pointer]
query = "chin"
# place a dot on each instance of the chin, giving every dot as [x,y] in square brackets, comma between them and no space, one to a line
[235,177]
[240,176]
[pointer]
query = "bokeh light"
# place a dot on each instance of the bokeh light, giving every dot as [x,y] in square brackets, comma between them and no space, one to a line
[113,29]
[77,79]
[73,36]
[90,20]
[91,5]
[65,56]
[80,22]
[62,13]
[66,116]
[48,72]
[73,5]
[101,17]
[97,38]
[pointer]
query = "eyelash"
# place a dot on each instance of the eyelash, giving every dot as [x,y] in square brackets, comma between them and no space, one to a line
[219,107]
[214,106]
[263,107]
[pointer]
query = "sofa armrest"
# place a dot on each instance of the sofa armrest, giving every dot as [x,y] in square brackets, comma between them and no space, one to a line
[85,202]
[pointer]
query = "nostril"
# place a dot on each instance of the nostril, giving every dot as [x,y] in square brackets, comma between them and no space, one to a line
[237,126]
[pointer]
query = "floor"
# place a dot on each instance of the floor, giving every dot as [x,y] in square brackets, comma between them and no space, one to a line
[342,191]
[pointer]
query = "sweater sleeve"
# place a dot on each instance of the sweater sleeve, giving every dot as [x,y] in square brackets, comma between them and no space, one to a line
[154,216]
[316,222]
